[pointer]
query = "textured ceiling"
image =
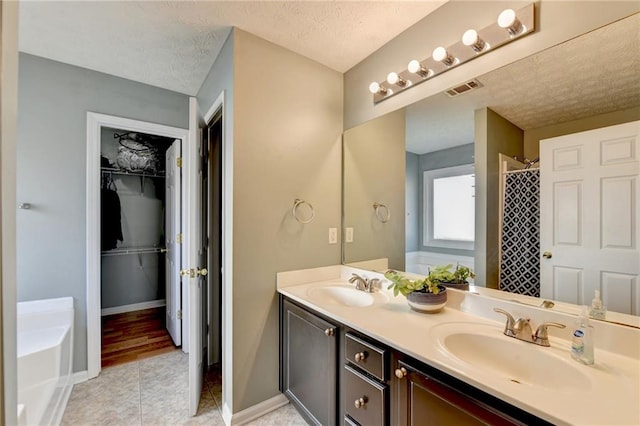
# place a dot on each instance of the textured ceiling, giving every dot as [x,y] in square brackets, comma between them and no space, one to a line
[173,44]
[595,73]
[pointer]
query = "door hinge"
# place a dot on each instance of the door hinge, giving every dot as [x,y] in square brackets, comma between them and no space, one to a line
[179,238]
[179,161]
[179,314]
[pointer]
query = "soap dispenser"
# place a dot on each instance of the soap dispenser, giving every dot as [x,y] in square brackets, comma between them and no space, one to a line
[582,339]
[597,311]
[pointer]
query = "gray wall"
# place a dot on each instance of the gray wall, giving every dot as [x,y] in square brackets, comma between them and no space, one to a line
[287,145]
[53,101]
[450,157]
[374,171]
[558,21]
[412,202]
[8,137]
[494,135]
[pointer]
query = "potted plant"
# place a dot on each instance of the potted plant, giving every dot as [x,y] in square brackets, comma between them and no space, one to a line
[457,278]
[423,295]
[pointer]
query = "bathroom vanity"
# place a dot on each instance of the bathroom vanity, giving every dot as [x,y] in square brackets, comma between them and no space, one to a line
[351,357]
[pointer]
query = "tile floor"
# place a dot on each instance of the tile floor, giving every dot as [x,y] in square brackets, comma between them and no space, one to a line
[154,391]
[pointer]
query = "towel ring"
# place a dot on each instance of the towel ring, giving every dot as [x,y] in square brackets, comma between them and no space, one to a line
[382,212]
[297,203]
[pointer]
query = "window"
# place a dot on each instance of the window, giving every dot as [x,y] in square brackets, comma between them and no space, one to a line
[449,207]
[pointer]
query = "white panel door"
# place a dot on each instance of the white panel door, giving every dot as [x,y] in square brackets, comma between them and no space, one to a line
[172,230]
[589,203]
[193,262]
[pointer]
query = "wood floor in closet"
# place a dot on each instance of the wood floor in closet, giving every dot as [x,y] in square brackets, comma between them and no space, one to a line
[134,335]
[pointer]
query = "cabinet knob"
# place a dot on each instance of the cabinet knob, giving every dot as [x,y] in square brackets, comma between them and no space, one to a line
[360,356]
[328,332]
[359,403]
[401,372]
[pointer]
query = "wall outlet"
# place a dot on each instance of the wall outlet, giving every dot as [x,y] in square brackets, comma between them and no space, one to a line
[333,235]
[348,235]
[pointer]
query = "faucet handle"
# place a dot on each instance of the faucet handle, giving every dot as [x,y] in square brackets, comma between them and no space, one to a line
[542,337]
[374,283]
[508,327]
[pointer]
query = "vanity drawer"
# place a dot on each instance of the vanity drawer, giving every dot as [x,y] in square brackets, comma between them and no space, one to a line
[365,399]
[370,358]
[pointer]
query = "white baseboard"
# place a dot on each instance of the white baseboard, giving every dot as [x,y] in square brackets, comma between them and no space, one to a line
[79,377]
[252,413]
[133,307]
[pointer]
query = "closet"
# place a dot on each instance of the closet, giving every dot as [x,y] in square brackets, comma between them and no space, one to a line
[135,214]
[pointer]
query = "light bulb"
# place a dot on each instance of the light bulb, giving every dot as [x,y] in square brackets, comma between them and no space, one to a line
[414,66]
[506,18]
[439,53]
[470,38]
[392,78]
[374,87]
[509,21]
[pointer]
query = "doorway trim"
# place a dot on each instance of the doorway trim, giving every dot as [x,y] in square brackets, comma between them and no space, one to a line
[95,122]
[227,254]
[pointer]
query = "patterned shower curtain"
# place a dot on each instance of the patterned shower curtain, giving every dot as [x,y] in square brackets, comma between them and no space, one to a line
[520,240]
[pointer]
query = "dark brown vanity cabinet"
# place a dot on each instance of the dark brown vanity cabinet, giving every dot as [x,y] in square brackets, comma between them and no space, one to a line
[309,354]
[420,398]
[336,375]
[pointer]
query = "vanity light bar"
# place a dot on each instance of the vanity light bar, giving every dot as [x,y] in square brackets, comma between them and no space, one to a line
[509,26]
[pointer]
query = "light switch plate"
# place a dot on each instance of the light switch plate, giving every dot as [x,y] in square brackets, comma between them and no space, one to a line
[333,235]
[348,235]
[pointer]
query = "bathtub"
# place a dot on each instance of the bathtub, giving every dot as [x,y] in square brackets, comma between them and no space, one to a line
[45,357]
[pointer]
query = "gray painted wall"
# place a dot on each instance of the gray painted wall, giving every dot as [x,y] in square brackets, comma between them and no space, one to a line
[8,137]
[445,26]
[287,145]
[412,202]
[450,157]
[494,135]
[374,171]
[53,101]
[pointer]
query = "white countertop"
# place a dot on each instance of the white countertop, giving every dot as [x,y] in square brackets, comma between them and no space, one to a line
[611,395]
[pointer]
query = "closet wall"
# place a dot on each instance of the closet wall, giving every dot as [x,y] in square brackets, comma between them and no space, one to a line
[133,262]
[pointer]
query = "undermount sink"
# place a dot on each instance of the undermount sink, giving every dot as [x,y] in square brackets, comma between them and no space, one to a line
[345,296]
[486,349]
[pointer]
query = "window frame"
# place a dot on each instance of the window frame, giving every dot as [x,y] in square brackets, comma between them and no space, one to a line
[427,207]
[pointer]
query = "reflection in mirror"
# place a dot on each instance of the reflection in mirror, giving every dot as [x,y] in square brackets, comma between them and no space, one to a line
[406,158]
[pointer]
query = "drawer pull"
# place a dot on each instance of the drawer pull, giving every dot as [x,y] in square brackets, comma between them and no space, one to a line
[401,372]
[360,356]
[328,332]
[360,402]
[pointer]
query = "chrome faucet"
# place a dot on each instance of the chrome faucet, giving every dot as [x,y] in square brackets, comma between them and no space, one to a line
[521,329]
[364,284]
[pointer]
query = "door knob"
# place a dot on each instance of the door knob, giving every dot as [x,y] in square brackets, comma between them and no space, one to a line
[547,255]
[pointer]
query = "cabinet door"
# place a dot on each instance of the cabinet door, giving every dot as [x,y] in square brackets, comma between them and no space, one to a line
[309,364]
[422,400]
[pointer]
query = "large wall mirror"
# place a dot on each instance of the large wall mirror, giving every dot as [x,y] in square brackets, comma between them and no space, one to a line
[426,185]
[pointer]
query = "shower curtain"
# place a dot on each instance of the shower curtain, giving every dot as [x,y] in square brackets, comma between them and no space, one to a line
[520,240]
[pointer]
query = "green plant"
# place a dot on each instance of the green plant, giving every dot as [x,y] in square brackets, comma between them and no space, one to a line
[443,274]
[403,285]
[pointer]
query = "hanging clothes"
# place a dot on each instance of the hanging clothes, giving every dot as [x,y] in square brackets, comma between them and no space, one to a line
[520,240]
[111,229]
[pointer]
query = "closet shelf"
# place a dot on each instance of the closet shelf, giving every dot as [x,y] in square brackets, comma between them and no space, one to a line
[115,171]
[132,250]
